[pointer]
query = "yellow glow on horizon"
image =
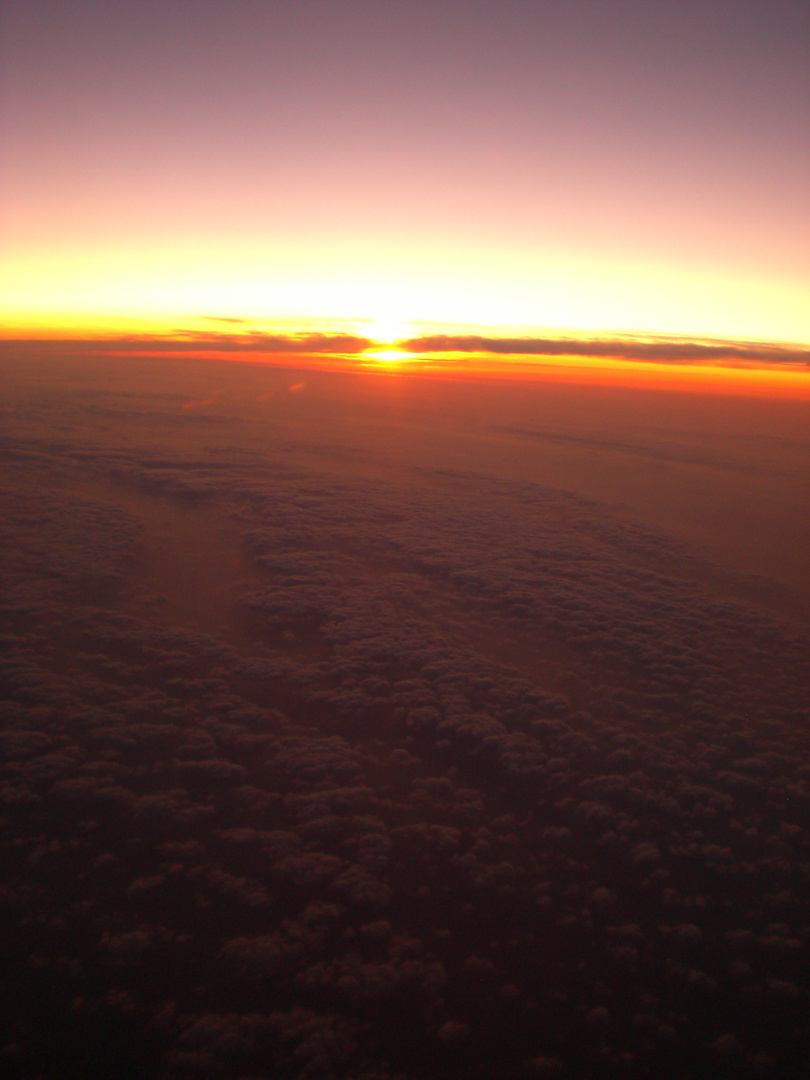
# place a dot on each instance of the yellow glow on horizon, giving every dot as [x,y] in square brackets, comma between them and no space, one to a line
[388,329]
[389,293]
[391,356]
[198,291]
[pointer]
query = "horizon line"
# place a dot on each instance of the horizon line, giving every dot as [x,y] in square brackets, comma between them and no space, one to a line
[633,347]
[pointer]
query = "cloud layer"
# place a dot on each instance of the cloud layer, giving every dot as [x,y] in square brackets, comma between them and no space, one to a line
[468,776]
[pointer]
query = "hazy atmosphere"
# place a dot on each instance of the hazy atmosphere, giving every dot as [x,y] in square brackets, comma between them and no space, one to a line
[404,530]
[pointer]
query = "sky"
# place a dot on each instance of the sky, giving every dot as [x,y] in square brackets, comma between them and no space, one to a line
[393,168]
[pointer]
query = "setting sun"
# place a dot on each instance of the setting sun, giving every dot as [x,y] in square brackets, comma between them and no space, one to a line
[390,356]
[387,330]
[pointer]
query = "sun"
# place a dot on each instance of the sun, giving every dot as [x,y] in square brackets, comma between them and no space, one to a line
[387,329]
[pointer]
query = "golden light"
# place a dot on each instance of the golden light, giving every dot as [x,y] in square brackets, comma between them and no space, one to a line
[385,296]
[388,329]
[390,356]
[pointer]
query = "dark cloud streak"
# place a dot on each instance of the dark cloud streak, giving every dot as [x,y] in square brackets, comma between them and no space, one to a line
[196,341]
[655,350]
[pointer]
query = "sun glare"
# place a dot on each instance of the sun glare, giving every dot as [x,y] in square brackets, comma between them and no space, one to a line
[390,356]
[388,329]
